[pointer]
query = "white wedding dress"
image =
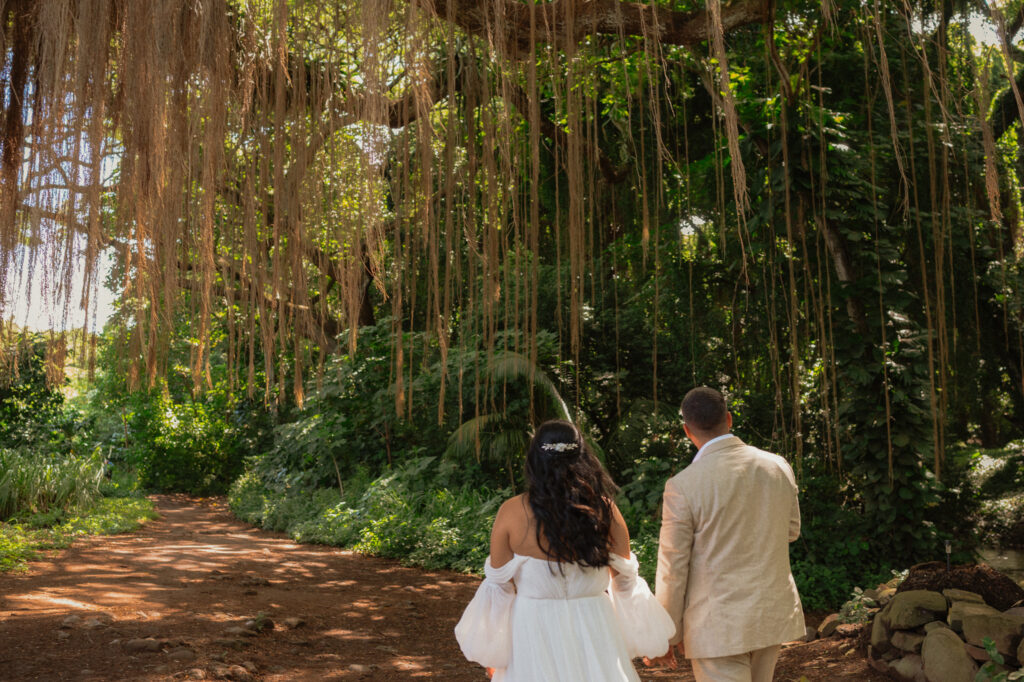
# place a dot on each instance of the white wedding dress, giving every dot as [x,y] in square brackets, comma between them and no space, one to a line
[570,625]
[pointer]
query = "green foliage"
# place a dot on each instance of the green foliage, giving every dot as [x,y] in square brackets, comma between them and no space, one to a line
[20,543]
[857,608]
[32,483]
[349,421]
[414,513]
[33,413]
[184,446]
[994,670]
[835,550]
[996,474]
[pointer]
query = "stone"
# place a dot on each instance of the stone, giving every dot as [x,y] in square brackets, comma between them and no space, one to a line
[1005,631]
[196,674]
[910,668]
[953,595]
[935,625]
[359,668]
[977,653]
[907,641]
[250,666]
[293,622]
[872,592]
[259,624]
[70,621]
[61,634]
[880,634]
[827,626]
[810,634]
[960,609]
[946,659]
[147,645]
[1020,651]
[237,631]
[182,655]
[848,630]
[1017,611]
[94,624]
[914,608]
[880,666]
[239,674]
[885,595]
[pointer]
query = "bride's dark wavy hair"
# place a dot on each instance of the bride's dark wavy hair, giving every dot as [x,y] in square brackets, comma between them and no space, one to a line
[570,494]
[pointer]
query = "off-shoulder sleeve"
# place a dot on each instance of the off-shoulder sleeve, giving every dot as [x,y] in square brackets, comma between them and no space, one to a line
[645,624]
[484,632]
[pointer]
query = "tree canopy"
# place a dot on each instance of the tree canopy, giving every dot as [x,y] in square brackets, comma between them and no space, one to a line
[815,204]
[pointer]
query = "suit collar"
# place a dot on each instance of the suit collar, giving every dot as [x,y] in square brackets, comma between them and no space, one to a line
[716,444]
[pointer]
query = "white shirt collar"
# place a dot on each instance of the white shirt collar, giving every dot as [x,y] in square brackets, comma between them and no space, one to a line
[705,446]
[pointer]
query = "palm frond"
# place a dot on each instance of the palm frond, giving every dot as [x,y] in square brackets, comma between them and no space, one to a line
[510,366]
[467,440]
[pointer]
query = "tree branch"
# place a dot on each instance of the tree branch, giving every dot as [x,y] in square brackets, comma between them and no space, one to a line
[592,17]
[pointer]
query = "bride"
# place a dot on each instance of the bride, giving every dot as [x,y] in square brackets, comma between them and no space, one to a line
[562,600]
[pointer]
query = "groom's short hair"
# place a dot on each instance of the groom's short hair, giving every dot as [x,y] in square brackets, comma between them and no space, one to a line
[704,409]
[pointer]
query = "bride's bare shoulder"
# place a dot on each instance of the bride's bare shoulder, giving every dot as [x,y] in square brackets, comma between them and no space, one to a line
[514,507]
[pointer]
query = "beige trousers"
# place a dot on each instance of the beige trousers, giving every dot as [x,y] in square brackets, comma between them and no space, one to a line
[753,666]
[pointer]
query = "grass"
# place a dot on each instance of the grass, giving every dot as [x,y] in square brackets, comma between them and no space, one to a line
[34,482]
[23,542]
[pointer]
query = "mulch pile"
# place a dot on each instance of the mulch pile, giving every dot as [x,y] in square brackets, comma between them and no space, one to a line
[997,589]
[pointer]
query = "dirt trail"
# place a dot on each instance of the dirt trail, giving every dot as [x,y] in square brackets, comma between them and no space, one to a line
[178,585]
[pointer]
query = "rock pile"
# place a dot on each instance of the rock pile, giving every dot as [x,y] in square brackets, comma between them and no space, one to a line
[930,636]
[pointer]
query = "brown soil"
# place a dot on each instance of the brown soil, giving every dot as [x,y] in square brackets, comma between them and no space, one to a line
[186,578]
[997,589]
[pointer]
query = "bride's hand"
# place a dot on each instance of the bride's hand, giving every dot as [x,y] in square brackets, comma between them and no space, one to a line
[668,660]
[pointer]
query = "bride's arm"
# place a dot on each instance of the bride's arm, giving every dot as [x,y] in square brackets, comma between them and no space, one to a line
[506,523]
[618,536]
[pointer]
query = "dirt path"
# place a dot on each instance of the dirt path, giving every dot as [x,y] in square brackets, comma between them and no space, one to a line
[178,585]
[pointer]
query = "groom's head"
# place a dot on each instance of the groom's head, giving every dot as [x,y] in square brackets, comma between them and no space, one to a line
[705,415]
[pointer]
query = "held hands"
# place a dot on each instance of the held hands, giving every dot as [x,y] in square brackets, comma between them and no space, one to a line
[668,660]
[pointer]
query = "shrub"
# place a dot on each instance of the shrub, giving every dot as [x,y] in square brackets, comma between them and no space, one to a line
[40,483]
[412,513]
[183,446]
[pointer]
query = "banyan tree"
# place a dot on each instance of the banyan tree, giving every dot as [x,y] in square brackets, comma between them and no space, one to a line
[818,199]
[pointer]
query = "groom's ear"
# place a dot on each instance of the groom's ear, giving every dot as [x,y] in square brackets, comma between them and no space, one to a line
[689,434]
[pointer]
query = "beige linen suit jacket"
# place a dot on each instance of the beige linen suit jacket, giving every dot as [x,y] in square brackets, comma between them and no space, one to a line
[723,560]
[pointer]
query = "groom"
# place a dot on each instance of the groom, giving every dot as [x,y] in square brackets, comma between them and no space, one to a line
[723,561]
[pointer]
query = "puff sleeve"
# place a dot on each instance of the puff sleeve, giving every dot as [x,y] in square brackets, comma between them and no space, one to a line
[646,626]
[484,632]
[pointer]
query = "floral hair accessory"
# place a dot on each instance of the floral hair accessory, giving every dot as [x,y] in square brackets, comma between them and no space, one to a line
[559,447]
